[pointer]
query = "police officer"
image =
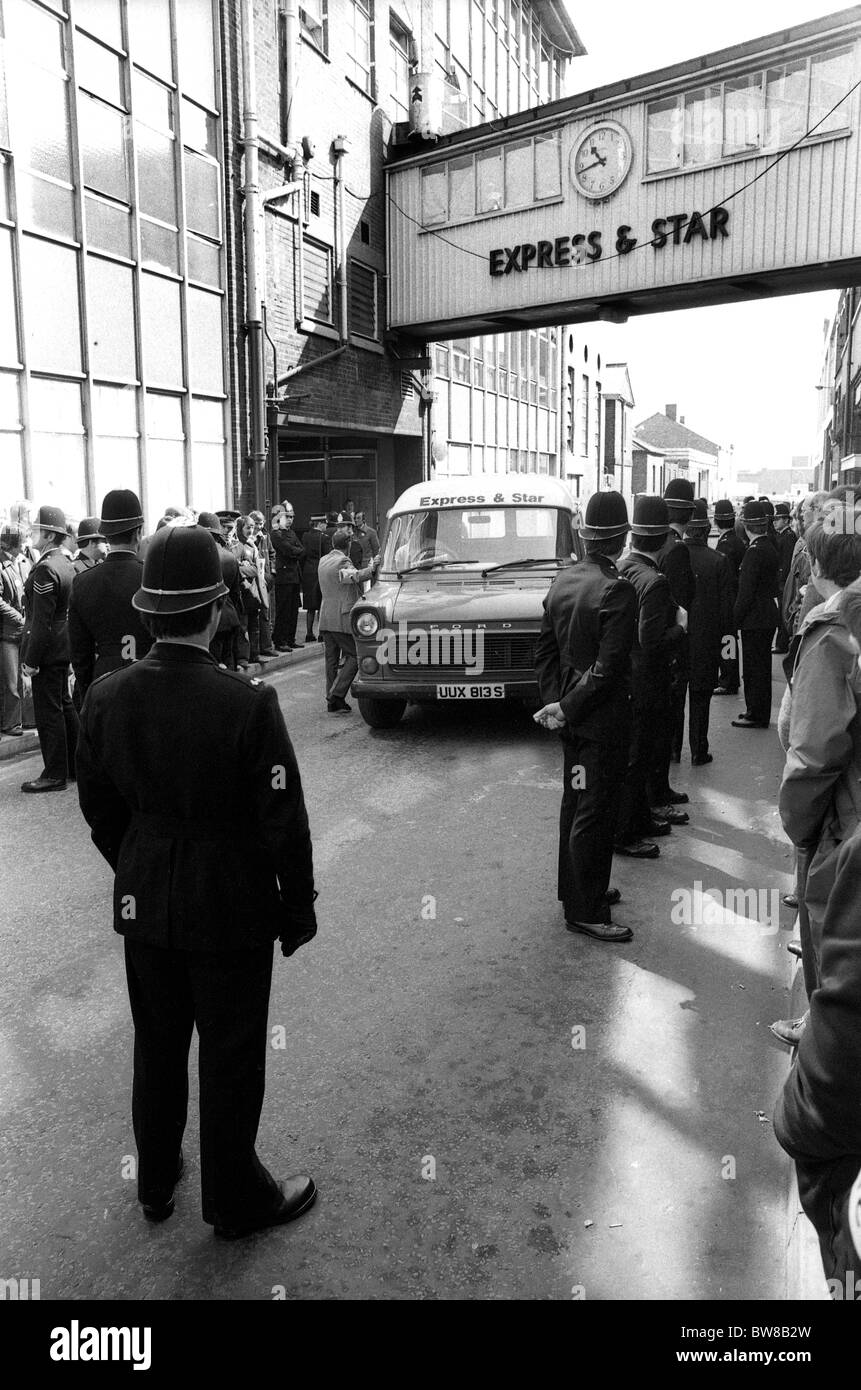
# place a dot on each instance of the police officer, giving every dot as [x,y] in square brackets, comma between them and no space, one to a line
[675,562]
[225,644]
[755,615]
[732,547]
[199,896]
[45,651]
[105,632]
[659,632]
[785,538]
[91,545]
[710,621]
[583,663]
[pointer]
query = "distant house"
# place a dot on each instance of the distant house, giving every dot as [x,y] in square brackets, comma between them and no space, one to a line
[686,453]
[618,399]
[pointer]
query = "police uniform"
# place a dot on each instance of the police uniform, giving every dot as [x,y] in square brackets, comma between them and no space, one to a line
[583,662]
[675,562]
[732,547]
[755,614]
[658,636]
[167,747]
[785,541]
[45,645]
[87,531]
[711,620]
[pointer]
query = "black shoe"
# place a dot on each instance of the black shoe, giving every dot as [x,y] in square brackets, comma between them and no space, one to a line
[16,732]
[338,707]
[702,760]
[671,798]
[671,814]
[297,1195]
[725,690]
[749,724]
[602,931]
[297,643]
[659,826]
[637,849]
[45,784]
[283,649]
[160,1211]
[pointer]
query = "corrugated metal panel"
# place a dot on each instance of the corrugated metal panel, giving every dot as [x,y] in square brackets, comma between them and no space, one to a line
[317,281]
[802,211]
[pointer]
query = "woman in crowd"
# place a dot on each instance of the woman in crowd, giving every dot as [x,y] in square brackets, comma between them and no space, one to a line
[248,556]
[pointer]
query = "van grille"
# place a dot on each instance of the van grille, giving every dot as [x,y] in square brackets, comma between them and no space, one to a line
[500,654]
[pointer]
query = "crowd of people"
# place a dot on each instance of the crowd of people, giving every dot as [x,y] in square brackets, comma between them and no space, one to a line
[629,643]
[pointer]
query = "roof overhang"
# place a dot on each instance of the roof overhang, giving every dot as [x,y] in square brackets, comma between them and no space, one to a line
[559,27]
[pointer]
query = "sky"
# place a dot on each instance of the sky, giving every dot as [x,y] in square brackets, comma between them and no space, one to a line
[742,375]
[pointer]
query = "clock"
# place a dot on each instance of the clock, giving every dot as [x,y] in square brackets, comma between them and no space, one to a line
[601,159]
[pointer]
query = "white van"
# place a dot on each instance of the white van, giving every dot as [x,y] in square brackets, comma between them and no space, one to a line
[456,606]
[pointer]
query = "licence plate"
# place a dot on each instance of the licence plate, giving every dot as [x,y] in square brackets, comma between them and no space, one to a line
[470,692]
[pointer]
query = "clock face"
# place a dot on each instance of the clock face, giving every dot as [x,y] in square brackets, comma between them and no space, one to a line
[601,159]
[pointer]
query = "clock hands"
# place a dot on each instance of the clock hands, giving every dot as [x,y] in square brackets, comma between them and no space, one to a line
[602,159]
[596,165]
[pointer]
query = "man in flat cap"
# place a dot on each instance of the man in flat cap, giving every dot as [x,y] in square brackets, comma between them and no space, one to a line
[755,615]
[45,651]
[105,631]
[199,894]
[732,547]
[583,663]
[92,548]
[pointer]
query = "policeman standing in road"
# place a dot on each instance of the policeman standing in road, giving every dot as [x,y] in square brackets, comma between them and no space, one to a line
[755,615]
[199,895]
[732,547]
[45,651]
[785,537]
[91,545]
[105,632]
[583,663]
[710,621]
[675,562]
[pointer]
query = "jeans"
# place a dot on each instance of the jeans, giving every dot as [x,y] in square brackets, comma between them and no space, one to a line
[335,643]
[10,685]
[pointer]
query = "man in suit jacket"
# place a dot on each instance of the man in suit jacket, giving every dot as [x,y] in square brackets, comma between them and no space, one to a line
[755,616]
[105,632]
[45,651]
[340,587]
[583,664]
[710,621]
[169,747]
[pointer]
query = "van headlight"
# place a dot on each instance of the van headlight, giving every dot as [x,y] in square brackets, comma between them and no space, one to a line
[367,624]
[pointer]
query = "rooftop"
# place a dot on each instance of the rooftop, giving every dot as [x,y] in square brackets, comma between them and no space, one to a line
[665,433]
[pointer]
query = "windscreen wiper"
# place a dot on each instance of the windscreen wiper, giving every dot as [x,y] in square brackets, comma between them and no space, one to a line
[521,564]
[430,565]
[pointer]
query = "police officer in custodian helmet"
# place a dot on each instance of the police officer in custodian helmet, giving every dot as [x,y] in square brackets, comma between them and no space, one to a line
[198,896]
[583,662]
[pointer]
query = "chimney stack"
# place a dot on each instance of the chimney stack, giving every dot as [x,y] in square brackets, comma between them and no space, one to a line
[670,412]
[681,419]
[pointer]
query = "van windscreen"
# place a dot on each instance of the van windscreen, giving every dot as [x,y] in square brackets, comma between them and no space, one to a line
[477,536]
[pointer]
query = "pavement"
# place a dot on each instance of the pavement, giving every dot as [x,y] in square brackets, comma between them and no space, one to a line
[492,1107]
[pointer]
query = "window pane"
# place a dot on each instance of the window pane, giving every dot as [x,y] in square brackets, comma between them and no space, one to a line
[160,328]
[116,465]
[152,103]
[165,474]
[108,226]
[4,181]
[159,246]
[58,453]
[664,135]
[39,105]
[102,133]
[101,17]
[10,409]
[207,421]
[52,312]
[742,114]
[195,44]
[518,174]
[204,262]
[164,417]
[206,367]
[207,476]
[47,206]
[702,126]
[110,318]
[434,195]
[199,129]
[461,188]
[115,411]
[785,104]
[489,174]
[831,76]
[156,180]
[548,174]
[11,467]
[202,201]
[98,70]
[149,35]
[35,34]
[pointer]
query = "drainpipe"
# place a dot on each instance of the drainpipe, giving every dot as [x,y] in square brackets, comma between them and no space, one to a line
[288,86]
[253,296]
[340,146]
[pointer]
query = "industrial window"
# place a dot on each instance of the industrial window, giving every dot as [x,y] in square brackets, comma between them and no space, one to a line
[584,417]
[399,72]
[524,173]
[768,109]
[359,45]
[364,321]
[314,21]
[317,294]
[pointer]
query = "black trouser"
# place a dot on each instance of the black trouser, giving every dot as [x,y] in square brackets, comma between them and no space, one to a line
[809,951]
[311,600]
[699,708]
[756,659]
[56,721]
[635,817]
[729,668]
[286,614]
[588,819]
[824,1191]
[226,995]
[666,719]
